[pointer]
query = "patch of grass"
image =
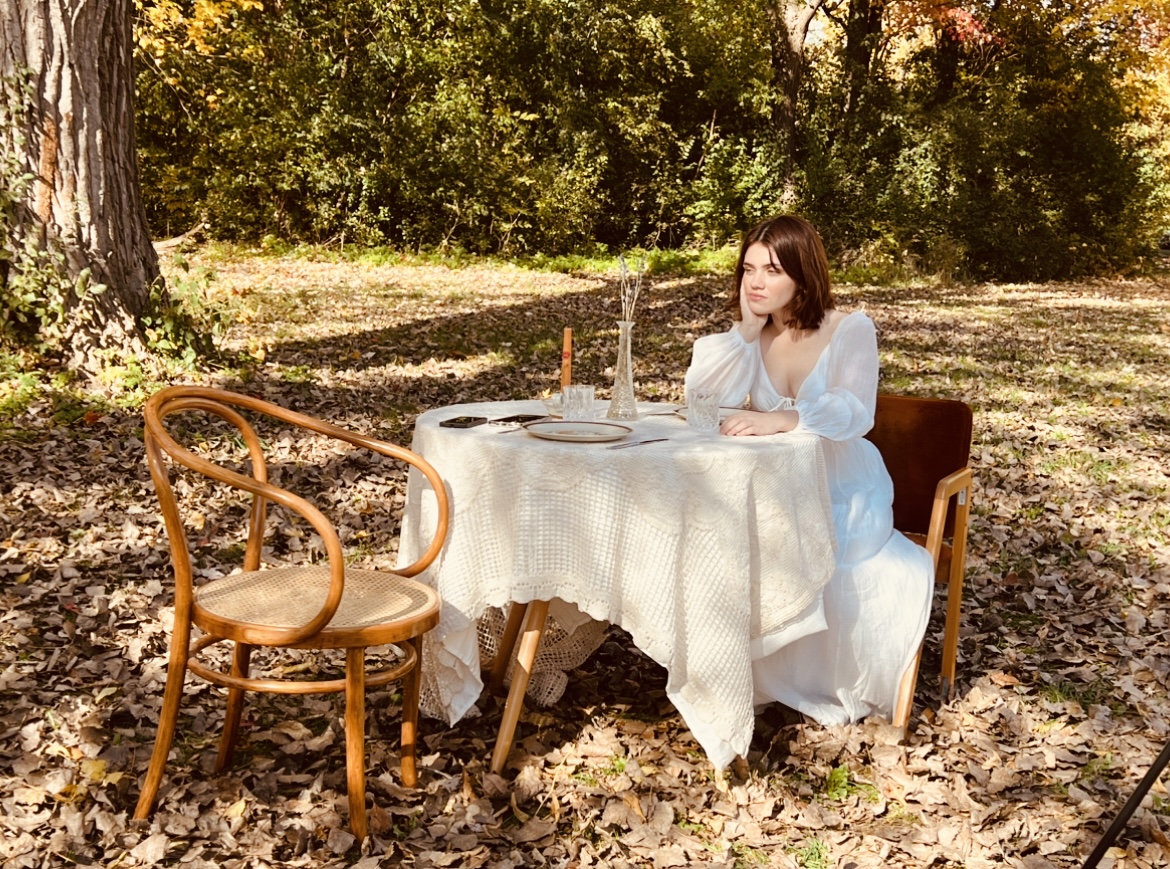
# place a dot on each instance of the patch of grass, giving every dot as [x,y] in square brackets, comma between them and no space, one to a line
[898,815]
[840,784]
[1085,693]
[814,855]
[299,374]
[17,394]
[718,261]
[408,825]
[616,766]
[1097,467]
[1096,767]
[693,827]
[745,855]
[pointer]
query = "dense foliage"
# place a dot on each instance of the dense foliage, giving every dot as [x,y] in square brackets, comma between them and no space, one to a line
[1005,140]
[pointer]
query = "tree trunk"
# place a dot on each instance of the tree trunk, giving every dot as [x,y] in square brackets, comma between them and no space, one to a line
[77,140]
[790,20]
[863,32]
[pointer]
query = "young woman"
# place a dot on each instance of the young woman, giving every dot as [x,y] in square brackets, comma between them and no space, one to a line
[805,366]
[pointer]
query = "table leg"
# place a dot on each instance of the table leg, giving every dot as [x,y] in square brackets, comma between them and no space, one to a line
[506,646]
[529,645]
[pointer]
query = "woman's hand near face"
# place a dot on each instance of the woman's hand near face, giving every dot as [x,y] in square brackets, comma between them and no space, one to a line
[748,422]
[750,325]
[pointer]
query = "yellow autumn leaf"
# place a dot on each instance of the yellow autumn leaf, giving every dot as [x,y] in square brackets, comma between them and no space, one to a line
[236,809]
[94,769]
[72,793]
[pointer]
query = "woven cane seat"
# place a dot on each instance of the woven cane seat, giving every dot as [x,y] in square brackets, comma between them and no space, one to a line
[383,606]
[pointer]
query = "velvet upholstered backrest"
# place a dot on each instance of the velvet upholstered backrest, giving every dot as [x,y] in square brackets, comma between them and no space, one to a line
[921,441]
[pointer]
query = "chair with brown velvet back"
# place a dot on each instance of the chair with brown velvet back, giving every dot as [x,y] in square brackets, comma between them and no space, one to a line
[324,607]
[926,446]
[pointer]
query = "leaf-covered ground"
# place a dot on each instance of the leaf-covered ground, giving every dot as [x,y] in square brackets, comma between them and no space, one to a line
[1062,699]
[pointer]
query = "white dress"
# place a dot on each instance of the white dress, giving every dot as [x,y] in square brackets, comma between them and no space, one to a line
[876,606]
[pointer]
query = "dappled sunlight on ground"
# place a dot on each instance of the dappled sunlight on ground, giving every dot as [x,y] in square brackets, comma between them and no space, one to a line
[1064,669]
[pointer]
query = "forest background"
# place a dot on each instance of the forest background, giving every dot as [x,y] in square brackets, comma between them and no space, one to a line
[1015,140]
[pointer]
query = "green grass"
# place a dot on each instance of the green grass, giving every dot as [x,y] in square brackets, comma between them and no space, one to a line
[600,261]
[840,784]
[814,855]
[745,856]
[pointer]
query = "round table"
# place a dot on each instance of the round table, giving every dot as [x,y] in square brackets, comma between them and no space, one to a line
[706,549]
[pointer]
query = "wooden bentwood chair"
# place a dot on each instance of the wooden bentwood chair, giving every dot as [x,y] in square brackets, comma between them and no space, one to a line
[329,606]
[926,445]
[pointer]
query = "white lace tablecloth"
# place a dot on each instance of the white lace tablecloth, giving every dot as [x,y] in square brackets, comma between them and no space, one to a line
[702,547]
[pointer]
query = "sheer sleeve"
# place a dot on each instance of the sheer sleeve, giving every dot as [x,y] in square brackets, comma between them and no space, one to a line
[726,362]
[845,409]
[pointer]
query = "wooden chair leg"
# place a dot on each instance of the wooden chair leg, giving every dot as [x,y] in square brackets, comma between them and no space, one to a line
[355,738]
[506,646]
[411,687]
[905,702]
[529,645]
[167,719]
[241,659]
[954,610]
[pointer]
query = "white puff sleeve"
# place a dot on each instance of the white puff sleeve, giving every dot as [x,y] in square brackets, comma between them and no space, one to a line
[845,409]
[726,362]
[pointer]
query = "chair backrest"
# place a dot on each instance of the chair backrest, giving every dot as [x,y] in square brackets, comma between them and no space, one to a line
[921,441]
[161,445]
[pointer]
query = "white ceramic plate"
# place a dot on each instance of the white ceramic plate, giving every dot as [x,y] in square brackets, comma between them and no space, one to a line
[724,412]
[578,432]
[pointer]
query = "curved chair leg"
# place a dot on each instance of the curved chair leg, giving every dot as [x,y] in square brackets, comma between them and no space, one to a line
[241,657]
[355,738]
[411,687]
[905,702]
[167,718]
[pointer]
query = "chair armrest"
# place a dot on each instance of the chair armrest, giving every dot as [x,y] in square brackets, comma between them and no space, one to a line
[954,484]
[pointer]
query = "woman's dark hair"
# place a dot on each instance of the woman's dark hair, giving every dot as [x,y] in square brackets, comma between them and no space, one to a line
[796,246]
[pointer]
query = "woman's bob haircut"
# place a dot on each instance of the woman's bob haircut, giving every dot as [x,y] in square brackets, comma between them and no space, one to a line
[795,246]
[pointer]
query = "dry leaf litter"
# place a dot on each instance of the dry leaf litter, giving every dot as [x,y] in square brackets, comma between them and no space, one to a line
[1065,661]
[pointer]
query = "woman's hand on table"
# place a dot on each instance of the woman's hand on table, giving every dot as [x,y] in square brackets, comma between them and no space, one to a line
[749,422]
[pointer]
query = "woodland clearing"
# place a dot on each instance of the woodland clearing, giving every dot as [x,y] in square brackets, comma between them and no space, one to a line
[1063,696]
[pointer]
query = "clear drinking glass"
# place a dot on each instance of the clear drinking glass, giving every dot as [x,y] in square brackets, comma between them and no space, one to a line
[703,409]
[577,402]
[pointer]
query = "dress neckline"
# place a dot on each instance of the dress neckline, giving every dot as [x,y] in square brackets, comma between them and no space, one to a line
[787,400]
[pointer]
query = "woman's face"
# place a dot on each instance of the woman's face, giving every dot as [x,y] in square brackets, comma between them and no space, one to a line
[766,287]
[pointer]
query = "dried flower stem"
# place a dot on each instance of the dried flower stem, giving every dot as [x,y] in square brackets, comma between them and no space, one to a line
[631,286]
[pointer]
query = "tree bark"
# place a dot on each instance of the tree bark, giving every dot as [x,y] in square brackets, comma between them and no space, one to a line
[77,139]
[789,20]
[863,32]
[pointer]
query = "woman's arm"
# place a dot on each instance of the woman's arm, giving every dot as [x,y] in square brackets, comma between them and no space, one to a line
[727,363]
[845,409]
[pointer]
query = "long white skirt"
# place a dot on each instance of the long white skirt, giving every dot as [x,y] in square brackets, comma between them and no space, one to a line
[875,614]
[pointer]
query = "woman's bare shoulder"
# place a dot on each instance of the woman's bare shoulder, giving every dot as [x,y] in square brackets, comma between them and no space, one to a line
[833,316]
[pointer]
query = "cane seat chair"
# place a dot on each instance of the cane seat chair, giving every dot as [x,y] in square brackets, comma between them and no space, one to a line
[926,446]
[326,607]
